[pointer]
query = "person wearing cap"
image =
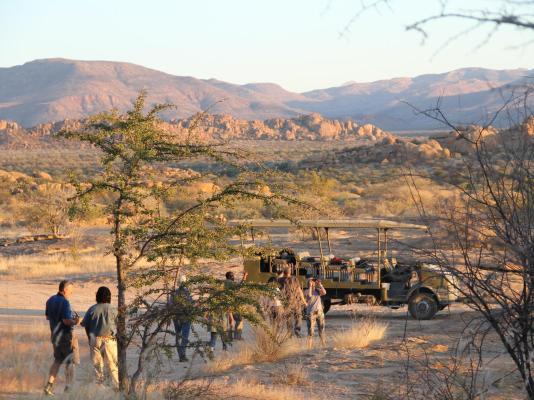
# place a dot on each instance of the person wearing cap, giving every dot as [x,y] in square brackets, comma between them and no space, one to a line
[62,321]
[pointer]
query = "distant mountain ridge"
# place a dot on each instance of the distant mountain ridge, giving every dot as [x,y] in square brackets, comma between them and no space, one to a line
[56,89]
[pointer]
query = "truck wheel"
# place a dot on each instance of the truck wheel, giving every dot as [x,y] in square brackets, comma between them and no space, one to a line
[422,306]
[327,302]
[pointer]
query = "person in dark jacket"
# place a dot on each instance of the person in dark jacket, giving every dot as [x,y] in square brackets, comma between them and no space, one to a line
[100,325]
[181,301]
[62,321]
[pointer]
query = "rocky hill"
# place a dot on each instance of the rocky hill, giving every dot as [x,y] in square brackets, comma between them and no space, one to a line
[426,151]
[210,127]
[14,136]
[307,127]
[57,89]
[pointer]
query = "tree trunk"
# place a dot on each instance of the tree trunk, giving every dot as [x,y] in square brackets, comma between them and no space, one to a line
[134,383]
[529,387]
[121,327]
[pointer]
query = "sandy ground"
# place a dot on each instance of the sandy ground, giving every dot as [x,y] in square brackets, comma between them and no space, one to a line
[333,373]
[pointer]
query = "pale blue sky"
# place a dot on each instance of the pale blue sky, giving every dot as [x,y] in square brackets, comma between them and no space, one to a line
[295,43]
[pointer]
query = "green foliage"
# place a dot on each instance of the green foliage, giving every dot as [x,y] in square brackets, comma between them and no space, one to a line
[154,243]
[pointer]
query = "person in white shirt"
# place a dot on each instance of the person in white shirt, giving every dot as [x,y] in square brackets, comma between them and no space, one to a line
[271,306]
[314,309]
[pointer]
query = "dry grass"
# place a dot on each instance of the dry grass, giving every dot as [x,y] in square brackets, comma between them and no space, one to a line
[270,344]
[251,389]
[54,265]
[255,390]
[292,374]
[26,351]
[360,335]
[250,353]
[266,348]
[93,392]
[26,357]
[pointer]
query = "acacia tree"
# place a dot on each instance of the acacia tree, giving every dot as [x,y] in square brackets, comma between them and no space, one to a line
[151,246]
[46,208]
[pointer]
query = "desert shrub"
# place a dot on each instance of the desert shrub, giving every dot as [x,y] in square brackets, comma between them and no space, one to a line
[192,389]
[46,208]
[395,198]
[359,335]
[270,343]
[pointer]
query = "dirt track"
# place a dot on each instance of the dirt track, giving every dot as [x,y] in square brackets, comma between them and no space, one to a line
[342,374]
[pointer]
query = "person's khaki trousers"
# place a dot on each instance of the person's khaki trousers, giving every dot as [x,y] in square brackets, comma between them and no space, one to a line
[104,349]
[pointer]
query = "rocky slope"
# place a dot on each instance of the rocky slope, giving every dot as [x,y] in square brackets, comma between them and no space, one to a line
[419,152]
[57,89]
[14,136]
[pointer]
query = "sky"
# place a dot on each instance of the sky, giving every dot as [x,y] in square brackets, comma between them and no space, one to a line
[298,44]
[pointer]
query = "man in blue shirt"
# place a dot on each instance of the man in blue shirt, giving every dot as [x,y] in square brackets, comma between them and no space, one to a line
[62,321]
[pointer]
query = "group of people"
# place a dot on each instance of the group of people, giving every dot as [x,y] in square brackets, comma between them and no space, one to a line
[289,304]
[226,325]
[100,326]
[295,300]
[99,322]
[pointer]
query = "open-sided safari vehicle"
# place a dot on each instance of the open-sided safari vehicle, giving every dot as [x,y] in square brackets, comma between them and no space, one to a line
[379,279]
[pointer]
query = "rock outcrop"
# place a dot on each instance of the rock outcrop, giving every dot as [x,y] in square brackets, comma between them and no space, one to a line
[306,127]
[462,142]
[389,150]
[209,127]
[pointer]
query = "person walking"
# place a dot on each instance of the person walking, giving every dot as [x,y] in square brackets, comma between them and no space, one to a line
[235,323]
[314,309]
[100,325]
[62,321]
[181,301]
[218,326]
[294,301]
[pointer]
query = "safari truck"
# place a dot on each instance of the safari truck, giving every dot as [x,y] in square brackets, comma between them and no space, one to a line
[378,279]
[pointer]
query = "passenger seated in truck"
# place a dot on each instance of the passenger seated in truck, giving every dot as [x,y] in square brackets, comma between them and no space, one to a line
[288,254]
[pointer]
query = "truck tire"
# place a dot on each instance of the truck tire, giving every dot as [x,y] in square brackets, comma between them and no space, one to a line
[422,306]
[327,302]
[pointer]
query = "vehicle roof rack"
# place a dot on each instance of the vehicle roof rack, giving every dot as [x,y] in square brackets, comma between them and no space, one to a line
[325,223]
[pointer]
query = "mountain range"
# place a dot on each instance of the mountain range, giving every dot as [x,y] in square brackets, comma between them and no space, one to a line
[56,89]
